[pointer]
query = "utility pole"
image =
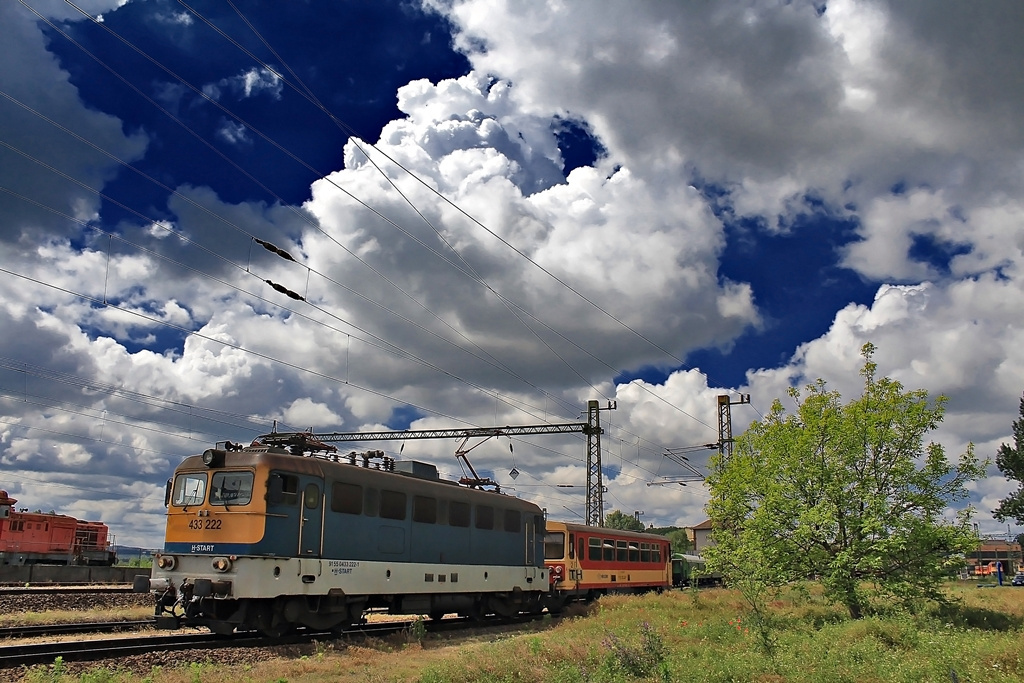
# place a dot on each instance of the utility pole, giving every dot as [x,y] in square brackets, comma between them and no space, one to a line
[725,404]
[595,486]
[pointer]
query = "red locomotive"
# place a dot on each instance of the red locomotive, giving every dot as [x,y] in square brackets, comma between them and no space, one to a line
[38,538]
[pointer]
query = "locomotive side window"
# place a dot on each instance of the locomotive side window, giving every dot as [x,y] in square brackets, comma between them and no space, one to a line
[231,488]
[458,513]
[554,545]
[283,489]
[484,517]
[189,489]
[442,511]
[634,552]
[392,505]
[347,498]
[621,551]
[655,552]
[645,552]
[595,549]
[311,496]
[572,546]
[424,509]
[513,521]
[609,551]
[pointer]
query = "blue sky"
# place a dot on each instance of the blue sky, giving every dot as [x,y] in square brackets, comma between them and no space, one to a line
[494,214]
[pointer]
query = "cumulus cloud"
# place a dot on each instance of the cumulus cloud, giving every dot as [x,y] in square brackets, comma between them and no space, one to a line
[522,293]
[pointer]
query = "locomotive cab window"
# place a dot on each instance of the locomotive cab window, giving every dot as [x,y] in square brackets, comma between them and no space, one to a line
[554,545]
[189,489]
[231,488]
[282,489]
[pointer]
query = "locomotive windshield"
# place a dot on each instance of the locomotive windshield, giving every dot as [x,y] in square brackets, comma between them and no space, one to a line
[189,489]
[231,488]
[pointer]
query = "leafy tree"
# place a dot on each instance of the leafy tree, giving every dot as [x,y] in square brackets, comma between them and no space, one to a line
[848,493]
[616,519]
[1010,461]
[679,540]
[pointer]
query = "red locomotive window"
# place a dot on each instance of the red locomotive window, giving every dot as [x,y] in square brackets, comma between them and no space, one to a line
[645,552]
[621,551]
[554,545]
[609,550]
[655,552]
[634,551]
[595,549]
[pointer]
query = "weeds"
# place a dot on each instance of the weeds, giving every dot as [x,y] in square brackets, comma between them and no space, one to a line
[637,660]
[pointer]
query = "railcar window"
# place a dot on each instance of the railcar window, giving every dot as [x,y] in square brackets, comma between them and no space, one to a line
[484,517]
[595,549]
[346,498]
[283,489]
[645,552]
[392,504]
[424,509]
[231,488]
[634,552]
[621,551]
[554,545]
[609,550]
[458,513]
[513,521]
[572,546]
[655,552]
[189,489]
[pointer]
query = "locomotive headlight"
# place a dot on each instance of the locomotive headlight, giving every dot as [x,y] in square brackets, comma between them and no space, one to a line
[213,457]
[221,564]
[166,562]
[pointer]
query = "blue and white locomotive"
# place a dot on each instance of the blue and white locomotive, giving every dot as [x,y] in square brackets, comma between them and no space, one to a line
[268,538]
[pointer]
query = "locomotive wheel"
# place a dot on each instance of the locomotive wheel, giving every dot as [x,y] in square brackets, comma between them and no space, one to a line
[436,615]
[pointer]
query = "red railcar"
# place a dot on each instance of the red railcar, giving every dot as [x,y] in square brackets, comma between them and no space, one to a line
[585,562]
[39,538]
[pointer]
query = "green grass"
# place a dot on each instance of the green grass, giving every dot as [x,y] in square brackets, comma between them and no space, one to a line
[679,636]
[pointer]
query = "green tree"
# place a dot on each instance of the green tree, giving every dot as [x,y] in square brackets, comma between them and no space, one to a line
[849,493]
[679,540]
[616,519]
[1010,461]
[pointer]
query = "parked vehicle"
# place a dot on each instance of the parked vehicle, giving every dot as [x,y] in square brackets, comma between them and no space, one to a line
[1018,580]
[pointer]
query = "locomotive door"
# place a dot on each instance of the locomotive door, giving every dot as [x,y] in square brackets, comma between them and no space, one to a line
[311,518]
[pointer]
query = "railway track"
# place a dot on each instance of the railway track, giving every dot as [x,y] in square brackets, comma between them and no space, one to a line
[30,654]
[71,589]
[37,630]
